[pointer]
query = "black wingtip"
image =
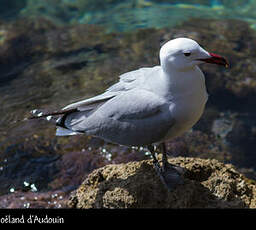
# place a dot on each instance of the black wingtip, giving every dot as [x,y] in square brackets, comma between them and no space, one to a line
[51,116]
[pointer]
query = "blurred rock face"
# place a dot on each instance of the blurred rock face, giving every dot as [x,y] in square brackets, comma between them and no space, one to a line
[11,8]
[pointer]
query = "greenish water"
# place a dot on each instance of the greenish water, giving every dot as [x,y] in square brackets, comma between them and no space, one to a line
[125,15]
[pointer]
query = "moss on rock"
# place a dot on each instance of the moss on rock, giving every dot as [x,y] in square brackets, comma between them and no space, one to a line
[207,184]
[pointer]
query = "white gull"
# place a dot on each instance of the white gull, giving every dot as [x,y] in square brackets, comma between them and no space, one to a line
[148,105]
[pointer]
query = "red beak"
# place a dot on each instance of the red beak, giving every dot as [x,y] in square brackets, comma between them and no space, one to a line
[216,59]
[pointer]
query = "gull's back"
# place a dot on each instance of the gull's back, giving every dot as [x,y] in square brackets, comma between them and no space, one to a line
[128,113]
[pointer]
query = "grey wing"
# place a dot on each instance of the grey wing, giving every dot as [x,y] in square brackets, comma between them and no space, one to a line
[135,117]
[126,82]
[91,103]
[134,79]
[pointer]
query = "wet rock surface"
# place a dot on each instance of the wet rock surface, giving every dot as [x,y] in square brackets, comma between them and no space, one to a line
[47,66]
[20,199]
[11,8]
[207,184]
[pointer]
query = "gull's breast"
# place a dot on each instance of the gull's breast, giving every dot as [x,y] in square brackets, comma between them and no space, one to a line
[186,111]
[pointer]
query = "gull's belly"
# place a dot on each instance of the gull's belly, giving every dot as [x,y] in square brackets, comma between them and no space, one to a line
[186,114]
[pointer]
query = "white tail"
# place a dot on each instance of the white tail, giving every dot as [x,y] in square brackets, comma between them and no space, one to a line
[65,132]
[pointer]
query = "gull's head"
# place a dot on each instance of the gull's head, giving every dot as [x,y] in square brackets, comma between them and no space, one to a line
[183,54]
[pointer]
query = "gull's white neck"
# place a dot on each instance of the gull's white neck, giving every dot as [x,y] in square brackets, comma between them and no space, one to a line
[189,82]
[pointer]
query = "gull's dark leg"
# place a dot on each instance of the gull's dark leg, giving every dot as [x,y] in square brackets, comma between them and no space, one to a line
[164,157]
[170,172]
[155,161]
[157,167]
[152,151]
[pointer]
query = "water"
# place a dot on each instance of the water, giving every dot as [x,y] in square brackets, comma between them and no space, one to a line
[127,15]
[55,52]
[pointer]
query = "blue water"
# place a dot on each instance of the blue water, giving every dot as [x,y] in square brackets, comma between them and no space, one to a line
[128,15]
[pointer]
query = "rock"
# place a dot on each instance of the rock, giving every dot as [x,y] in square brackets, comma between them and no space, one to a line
[20,199]
[197,144]
[10,8]
[207,184]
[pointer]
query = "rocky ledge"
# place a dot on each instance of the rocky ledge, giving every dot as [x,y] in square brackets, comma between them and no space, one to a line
[207,184]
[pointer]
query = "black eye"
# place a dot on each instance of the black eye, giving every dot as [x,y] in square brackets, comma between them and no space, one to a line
[187,54]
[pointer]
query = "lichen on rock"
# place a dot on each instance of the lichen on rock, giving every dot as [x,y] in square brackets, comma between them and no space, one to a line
[207,184]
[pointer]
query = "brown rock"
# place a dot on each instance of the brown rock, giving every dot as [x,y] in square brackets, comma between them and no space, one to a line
[207,184]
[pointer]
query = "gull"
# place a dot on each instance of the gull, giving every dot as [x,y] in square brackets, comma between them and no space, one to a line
[148,106]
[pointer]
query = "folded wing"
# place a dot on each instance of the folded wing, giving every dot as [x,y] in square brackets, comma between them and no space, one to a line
[135,117]
[127,81]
